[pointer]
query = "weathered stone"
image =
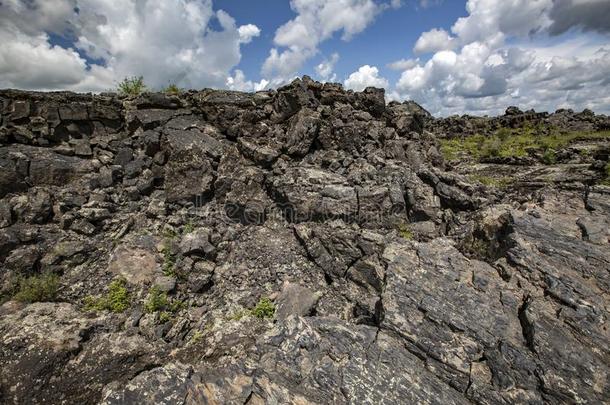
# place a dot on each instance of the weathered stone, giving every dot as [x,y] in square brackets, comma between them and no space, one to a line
[197,243]
[136,265]
[309,245]
[295,300]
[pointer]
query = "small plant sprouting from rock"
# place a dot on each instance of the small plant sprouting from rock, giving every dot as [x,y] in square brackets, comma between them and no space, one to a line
[264,309]
[158,301]
[116,299]
[197,336]
[188,228]
[405,232]
[549,157]
[38,288]
[237,316]
[169,262]
[164,316]
[132,86]
[503,134]
[172,89]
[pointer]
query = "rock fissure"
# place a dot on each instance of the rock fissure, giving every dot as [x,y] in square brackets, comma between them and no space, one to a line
[308,244]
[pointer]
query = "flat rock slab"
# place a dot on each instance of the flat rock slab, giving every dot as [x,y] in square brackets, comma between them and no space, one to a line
[136,265]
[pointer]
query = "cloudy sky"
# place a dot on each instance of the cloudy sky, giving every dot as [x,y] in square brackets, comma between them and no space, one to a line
[452,56]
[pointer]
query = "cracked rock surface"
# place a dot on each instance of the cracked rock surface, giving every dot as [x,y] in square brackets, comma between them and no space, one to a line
[295,246]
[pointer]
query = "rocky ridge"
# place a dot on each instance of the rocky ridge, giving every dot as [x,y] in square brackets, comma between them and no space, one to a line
[303,245]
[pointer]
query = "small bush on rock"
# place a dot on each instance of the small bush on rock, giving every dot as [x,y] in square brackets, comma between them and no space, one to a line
[157,300]
[172,90]
[503,134]
[39,288]
[264,309]
[405,232]
[116,300]
[132,86]
[549,157]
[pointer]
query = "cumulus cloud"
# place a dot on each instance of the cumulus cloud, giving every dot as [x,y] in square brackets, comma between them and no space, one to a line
[589,15]
[492,20]
[433,41]
[166,41]
[481,73]
[247,32]
[316,21]
[31,63]
[364,77]
[403,64]
[238,82]
[325,69]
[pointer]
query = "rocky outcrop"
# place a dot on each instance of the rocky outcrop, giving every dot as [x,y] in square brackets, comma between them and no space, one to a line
[301,245]
[562,119]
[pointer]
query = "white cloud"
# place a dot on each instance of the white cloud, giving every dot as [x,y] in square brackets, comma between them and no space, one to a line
[285,65]
[326,67]
[433,41]
[365,76]
[403,64]
[238,82]
[247,32]
[163,40]
[481,74]
[492,20]
[31,63]
[316,21]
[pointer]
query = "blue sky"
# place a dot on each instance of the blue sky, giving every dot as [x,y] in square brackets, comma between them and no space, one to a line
[451,56]
[389,38]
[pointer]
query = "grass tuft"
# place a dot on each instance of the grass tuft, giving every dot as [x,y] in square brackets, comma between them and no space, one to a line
[116,299]
[264,309]
[39,288]
[513,143]
[132,86]
[405,232]
[172,90]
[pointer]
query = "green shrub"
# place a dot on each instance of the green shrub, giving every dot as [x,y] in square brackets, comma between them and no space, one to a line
[264,309]
[164,316]
[405,232]
[132,86]
[116,299]
[172,90]
[549,157]
[197,336]
[503,134]
[156,301]
[188,228]
[515,145]
[169,262]
[492,147]
[39,288]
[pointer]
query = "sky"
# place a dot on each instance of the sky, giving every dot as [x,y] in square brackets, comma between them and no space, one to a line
[451,56]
